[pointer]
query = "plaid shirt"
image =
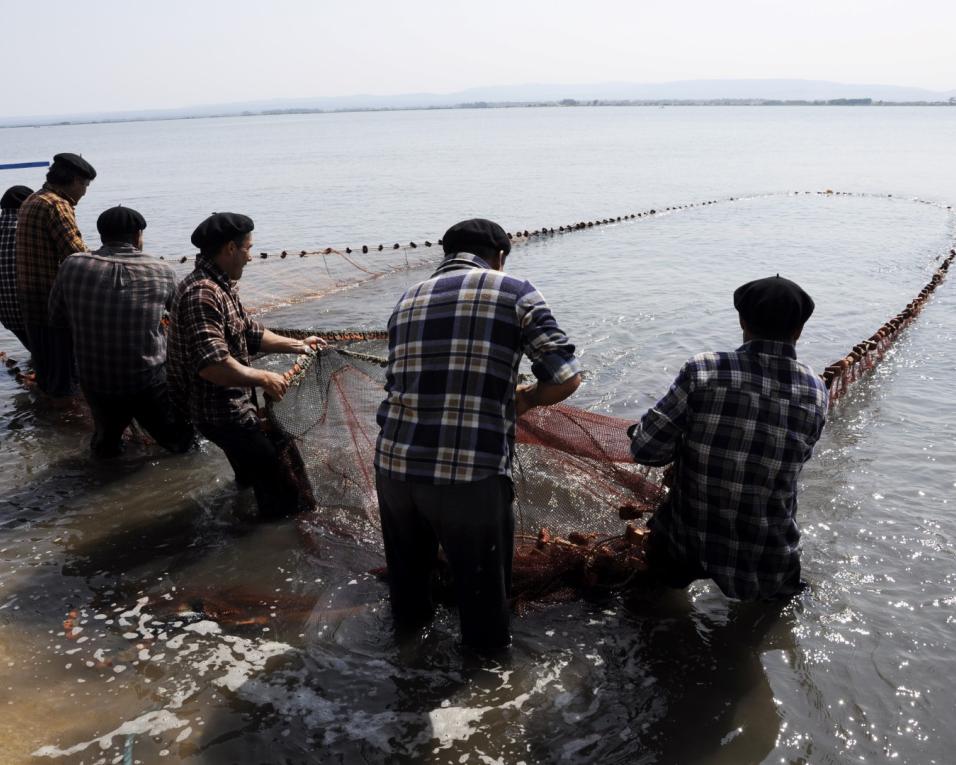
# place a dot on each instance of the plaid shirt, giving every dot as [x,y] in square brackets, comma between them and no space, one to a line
[207,325]
[738,427]
[46,235]
[114,300]
[10,315]
[455,342]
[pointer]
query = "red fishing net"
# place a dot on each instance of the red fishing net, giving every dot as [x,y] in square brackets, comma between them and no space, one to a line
[574,477]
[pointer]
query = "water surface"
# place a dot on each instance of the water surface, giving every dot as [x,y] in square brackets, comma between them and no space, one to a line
[300,663]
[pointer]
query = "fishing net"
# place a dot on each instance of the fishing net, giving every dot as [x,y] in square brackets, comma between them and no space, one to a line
[575,481]
[574,477]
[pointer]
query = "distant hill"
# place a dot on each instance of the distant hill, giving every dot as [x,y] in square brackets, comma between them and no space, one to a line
[686,90]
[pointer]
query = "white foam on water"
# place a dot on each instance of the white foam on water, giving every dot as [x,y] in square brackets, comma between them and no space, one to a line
[205,627]
[151,724]
[450,724]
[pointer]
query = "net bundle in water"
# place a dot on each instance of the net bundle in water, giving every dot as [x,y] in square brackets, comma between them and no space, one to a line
[574,476]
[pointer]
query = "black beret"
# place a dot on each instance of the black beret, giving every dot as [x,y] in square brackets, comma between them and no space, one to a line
[773,304]
[220,228]
[14,196]
[76,163]
[475,233]
[119,221]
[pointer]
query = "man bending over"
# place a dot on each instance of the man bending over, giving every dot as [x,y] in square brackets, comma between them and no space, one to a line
[114,301]
[211,342]
[738,427]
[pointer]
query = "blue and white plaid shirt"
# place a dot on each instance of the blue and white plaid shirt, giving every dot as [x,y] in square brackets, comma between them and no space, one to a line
[9,305]
[455,342]
[738,427]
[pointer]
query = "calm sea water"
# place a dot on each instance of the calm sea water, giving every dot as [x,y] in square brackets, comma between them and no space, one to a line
[304,667]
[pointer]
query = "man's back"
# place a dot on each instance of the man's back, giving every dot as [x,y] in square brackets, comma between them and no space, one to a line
[114,301]
[46,234]
[747,421]
[10,315]
[455,344]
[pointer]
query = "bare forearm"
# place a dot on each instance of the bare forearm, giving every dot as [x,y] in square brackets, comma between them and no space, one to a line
[273,343]
[230,373]
[545,394]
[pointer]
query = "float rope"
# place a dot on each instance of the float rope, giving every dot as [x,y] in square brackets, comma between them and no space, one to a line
[523,236]
[865,355]
[837,376]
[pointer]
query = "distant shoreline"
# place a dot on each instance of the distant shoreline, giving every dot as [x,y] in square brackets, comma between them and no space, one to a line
[564,103]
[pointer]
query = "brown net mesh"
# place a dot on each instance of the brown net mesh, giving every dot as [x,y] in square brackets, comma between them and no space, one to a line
[574,477]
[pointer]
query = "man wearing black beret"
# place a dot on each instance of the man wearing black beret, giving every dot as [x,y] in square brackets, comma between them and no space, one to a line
[114,301]
[738,427]
[211,341]
[443,457]
[10,315]
[46,235]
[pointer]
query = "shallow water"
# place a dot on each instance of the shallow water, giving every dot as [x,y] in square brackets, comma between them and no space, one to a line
[300,663]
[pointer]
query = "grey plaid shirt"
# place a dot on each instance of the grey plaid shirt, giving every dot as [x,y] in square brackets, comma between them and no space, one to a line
[455,342]
[738,427]
[114,301]
[10,315]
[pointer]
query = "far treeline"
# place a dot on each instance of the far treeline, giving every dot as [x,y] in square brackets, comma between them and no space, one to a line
[711,102]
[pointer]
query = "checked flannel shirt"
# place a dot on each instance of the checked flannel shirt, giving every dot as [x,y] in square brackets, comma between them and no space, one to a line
[10,315]
[738,427]
[114,301]
[46,236]
[207,325]
[455,342]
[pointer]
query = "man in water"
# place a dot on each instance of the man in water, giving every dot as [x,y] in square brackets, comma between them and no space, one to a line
[10,315]
[46,235]
[443,456]
[211,341]
[738,427]
[114,300]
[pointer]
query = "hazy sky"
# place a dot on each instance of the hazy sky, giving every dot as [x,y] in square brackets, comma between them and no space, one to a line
[67,57]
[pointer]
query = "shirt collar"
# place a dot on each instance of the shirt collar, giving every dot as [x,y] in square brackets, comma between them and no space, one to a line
[770,347]
[52,190]
[215,273]
[118,248]
[458,261]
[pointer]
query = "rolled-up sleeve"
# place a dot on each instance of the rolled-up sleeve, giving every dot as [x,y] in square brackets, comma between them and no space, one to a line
[64,231]
[656,439]
[254,332]
[204,316]
[543,341]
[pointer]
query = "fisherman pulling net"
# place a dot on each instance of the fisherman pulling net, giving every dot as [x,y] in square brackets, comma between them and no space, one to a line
[575,479]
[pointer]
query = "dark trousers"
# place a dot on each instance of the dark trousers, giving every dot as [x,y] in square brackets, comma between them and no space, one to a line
[51,350]
[151,408]
[679,574]
[269,462]
[474,524]
[668,570]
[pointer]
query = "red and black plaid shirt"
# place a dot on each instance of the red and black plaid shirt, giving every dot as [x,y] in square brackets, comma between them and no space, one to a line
[46,236]
[207,325]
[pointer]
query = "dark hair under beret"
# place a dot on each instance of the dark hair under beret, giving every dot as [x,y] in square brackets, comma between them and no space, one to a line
[774,304]
[119,222]
[220,228]
[476,234]
[14,197]
[75,164]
